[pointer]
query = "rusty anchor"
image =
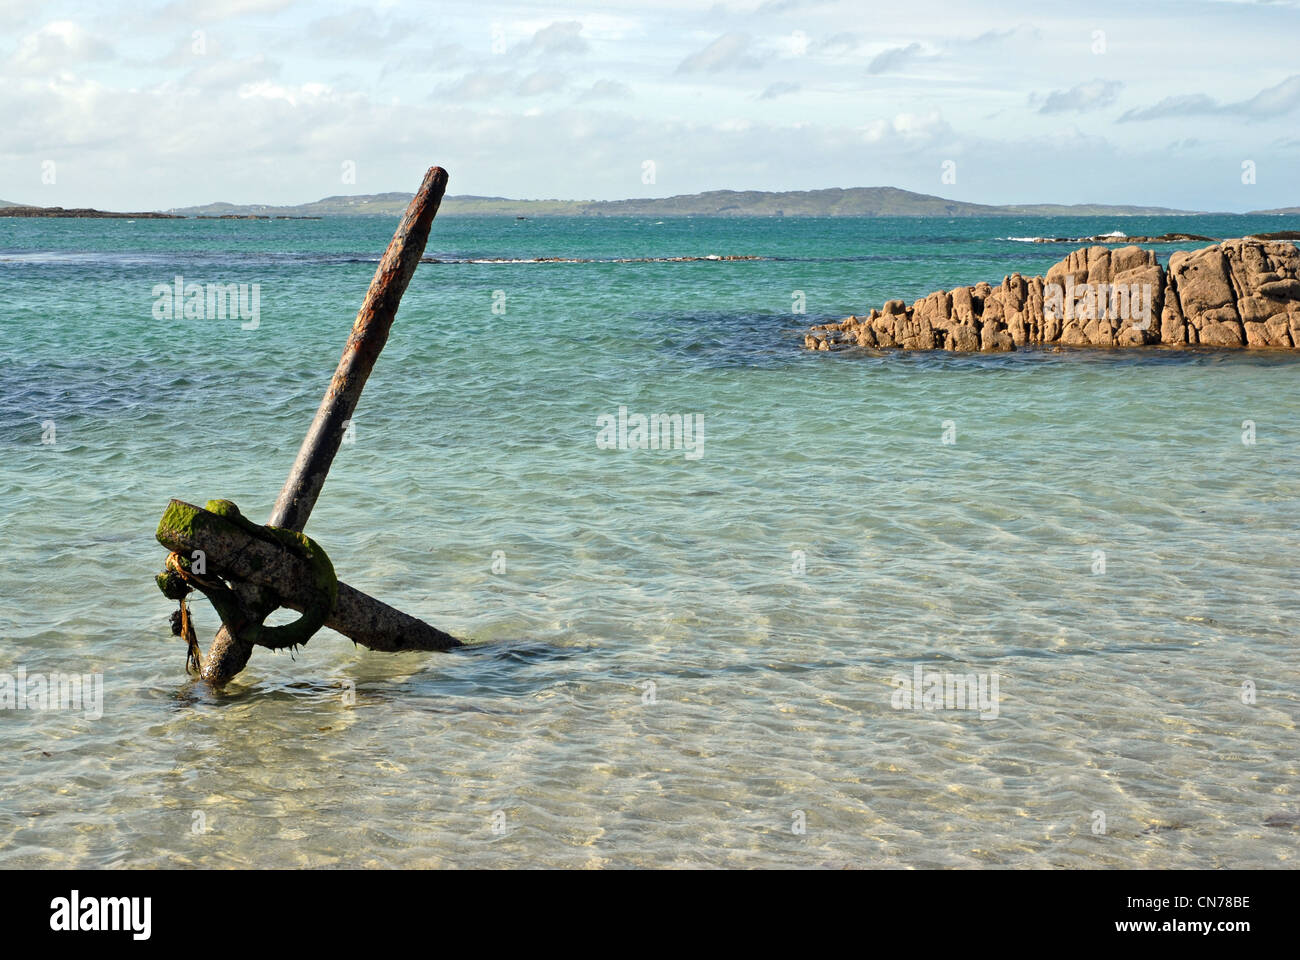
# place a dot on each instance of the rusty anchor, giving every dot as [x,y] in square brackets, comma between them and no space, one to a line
[249,571]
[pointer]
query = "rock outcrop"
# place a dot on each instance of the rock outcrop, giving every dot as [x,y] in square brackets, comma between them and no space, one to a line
[1237,293]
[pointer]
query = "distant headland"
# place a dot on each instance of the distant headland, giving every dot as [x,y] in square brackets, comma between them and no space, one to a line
[833,202]
[90,213]
[22,210]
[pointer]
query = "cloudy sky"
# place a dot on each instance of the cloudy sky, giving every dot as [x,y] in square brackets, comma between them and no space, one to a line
[148,105]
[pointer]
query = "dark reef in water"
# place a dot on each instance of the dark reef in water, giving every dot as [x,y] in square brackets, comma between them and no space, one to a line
[1166,238]
[1111,238]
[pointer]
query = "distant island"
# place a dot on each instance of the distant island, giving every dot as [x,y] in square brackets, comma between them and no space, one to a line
[834,202]
[90,213]
[22,210]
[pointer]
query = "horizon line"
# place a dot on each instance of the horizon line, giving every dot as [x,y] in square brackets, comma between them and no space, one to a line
[701,193]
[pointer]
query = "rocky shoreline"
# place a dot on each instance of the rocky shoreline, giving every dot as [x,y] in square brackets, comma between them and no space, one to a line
[1237,293]
[83,212]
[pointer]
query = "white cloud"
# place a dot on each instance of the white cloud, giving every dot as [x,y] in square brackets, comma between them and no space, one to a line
[1082,97]
[729,52]
[607,90]
[13,12]
[57,45]
[215,75]
[779,89]
[1274,101]
[488,85]
[479,85]
[357,33]
[218,10]
[559,38]
[908,129]
[838,44]
[539,82]
[289,94]
[894,59]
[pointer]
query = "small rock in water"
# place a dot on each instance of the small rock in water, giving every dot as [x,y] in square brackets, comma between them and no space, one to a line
[1283,821]
[1164,827]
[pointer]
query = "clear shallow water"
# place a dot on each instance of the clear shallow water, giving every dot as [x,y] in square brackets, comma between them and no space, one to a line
[1119,692]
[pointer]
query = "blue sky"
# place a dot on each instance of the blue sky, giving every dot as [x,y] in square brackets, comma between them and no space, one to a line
[149,105]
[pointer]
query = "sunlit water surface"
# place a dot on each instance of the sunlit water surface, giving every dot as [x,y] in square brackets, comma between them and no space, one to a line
[684,661]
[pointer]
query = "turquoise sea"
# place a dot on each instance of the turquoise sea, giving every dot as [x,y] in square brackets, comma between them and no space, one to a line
[678,661]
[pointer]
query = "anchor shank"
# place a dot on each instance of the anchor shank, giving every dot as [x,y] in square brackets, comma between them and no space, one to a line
[369,334]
